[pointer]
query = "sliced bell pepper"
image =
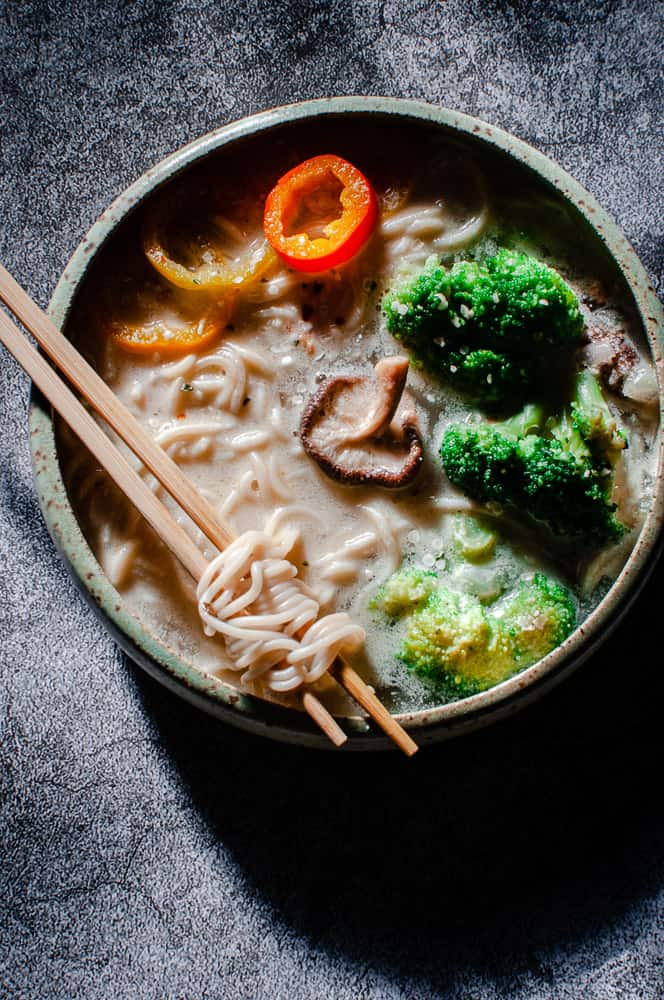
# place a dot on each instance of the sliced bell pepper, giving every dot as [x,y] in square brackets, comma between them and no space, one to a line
[158,317]
[320,214]
[202,251]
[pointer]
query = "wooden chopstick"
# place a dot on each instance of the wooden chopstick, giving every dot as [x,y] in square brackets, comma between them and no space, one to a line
[105,402]
[65,356]
[128,480]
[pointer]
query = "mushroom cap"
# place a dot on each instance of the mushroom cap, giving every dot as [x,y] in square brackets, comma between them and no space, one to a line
[362,429]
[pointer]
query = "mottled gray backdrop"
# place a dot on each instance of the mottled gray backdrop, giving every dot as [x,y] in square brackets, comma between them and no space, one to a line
[147,852]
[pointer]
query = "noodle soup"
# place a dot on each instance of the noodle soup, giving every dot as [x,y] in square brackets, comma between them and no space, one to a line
[236,368]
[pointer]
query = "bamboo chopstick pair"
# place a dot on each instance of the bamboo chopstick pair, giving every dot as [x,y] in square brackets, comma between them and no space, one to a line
[67,359]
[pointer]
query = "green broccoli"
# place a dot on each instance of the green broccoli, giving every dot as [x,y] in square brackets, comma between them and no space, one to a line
[464,648]
[550,470]
[405,589]
[492,329]
[531,621]
[448,633]
[473,539]
[594,421]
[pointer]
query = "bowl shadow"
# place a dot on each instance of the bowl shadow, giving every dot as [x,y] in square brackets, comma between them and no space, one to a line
[487,851]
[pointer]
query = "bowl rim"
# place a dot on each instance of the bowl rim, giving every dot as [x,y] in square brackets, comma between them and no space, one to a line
[215,695]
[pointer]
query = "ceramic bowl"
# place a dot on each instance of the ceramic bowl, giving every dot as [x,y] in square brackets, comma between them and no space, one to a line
[214,695]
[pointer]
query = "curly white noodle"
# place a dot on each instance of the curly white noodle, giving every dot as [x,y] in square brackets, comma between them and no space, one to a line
[251,596]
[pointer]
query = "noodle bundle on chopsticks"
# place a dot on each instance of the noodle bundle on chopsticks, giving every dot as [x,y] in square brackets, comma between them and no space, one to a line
[251,596]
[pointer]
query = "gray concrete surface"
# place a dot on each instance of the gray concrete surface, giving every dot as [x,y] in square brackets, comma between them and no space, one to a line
[146,852]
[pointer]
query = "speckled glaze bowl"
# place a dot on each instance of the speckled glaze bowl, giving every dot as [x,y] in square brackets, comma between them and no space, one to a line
[214,695]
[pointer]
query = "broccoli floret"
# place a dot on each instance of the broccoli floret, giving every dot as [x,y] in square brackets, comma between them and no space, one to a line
[492,328]
[405,589]
[549,473]
[563,430]
[531,621]
[445,634]
[482,462]
[486,376]
[534,303]
[453,641]
[592,418]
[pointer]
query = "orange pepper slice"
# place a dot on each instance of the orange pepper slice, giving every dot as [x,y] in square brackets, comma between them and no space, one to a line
[320,214]
[202,252]
[158,317]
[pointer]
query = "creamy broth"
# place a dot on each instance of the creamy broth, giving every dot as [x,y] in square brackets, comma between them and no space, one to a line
[229,414]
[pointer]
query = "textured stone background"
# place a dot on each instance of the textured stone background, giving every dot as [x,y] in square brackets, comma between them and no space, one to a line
[148,852]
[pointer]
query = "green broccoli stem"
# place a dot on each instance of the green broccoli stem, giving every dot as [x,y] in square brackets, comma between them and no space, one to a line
[594,421]
[589,398]
[528,421]
[564,430]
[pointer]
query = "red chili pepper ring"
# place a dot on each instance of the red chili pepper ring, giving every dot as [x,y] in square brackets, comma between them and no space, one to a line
[320,214]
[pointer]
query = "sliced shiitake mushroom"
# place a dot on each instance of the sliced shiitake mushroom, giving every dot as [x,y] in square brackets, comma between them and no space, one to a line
[362,429]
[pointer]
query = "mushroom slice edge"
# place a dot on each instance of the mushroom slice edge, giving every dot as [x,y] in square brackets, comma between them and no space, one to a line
[363,429]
